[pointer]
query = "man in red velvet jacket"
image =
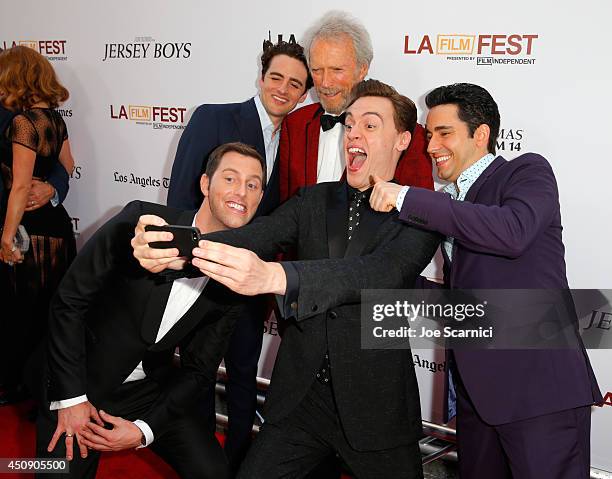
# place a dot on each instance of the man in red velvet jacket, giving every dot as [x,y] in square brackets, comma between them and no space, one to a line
[339,52]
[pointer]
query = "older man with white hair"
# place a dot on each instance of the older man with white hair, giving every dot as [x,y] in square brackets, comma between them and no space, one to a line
[339,52]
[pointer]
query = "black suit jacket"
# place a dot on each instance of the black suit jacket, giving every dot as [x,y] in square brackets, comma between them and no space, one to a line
[375,390]
[106,313]
[209,127]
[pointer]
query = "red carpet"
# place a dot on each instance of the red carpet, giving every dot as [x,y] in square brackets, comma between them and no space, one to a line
[17,437]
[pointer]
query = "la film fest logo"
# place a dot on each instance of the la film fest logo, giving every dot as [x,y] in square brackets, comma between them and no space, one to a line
[53,50]
[483,49]
[159,117]
[145,48]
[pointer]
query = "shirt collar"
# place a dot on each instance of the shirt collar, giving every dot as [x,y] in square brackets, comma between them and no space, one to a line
[264,118]
[352,192]
[468,177]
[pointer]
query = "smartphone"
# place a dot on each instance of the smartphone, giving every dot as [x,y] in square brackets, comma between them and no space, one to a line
[185,238]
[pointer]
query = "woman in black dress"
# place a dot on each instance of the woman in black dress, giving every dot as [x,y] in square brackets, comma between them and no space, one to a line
[32,143]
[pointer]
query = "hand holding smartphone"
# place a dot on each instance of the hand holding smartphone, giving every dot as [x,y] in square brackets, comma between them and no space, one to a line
[185,238]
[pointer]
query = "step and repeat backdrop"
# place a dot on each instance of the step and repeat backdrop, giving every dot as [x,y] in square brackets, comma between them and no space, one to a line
[137,70]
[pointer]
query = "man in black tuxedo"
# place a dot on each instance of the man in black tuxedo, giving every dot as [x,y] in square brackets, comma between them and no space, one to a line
[327,395]
[114,329]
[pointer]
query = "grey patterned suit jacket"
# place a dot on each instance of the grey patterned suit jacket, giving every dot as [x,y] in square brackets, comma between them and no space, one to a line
[375,390]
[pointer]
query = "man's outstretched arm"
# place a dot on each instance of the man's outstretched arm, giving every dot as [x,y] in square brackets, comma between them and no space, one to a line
[266,236]
[322,283]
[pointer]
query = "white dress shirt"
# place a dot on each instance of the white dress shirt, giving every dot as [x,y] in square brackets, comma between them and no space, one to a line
[330,164]
[270,136]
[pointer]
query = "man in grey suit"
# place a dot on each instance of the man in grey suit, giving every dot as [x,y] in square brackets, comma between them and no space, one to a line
[327,394]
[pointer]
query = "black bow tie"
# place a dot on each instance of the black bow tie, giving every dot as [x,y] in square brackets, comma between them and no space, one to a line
[329,121]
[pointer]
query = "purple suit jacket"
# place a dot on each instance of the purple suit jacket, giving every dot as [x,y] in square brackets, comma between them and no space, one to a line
[508,236]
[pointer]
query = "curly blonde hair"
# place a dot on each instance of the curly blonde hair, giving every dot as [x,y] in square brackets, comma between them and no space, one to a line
[26,78]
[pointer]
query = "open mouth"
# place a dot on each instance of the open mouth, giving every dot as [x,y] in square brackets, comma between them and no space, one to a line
[442,160]
[279,99]
[356,157]
[236,207]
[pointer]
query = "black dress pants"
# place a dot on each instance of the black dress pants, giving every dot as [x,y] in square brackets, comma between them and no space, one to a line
[186,444]
[241,359]
[311,433]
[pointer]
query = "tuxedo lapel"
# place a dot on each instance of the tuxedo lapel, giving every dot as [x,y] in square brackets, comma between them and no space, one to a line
[158,298]
[154,311]
[271,196]
[206,303]
[337,222]
[249,126]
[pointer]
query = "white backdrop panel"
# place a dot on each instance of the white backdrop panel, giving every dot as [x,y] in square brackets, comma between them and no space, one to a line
[557,105]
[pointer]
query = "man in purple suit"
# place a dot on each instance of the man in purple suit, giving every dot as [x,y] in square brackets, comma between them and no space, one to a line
[522,414]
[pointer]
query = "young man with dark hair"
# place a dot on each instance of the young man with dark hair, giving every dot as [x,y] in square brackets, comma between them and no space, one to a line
[290,49]
[327,394]
[502,224]
[113,332]
[475,107]
[283,83]
[404,110]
